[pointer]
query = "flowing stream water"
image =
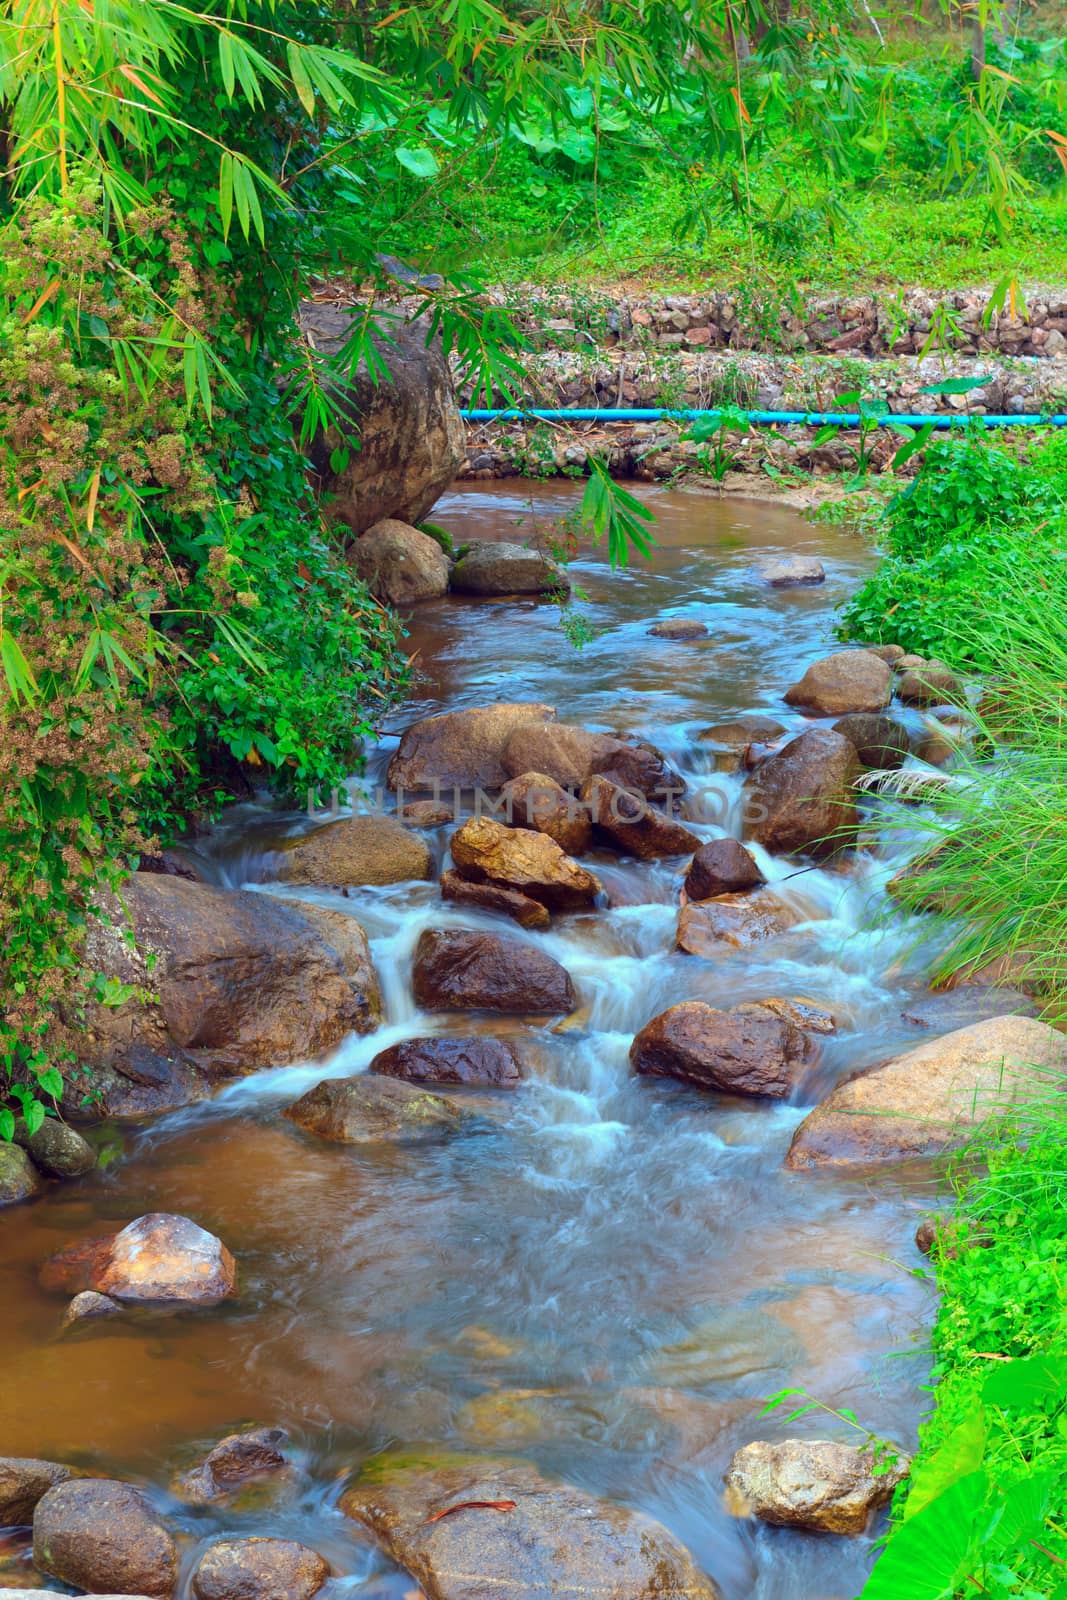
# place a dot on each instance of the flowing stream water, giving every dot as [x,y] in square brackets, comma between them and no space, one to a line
[612,1273]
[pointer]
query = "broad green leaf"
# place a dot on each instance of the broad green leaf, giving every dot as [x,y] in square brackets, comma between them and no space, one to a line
[1013,1384]
[421,161]
[927,1557]
[955,385]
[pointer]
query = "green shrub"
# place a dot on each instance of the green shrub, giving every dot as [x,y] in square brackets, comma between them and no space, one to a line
[960,533]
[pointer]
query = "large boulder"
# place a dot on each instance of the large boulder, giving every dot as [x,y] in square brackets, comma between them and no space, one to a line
[485,851]
[369,1110]
[238,980]
[354,851]
[570,755]
[237,1460]
[480,1062]
[882,743]
[100,1535]
[722,866]
[816,1484]
[499,568]
[521,908]
[931,1099]
[470,1529]
[801,798]
[19,1178]
[23,1481]
[412,441]
[259,1569]
[348,940]
[849,680]
[457,970]
[709,927]
[534,800]
[399,564]
[749,1049]
[628,822]
[160,1259]
[464,749]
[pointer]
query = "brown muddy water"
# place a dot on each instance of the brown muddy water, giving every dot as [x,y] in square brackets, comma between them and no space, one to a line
[612,1274]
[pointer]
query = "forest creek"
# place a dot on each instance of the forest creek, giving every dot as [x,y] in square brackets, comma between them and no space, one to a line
[599,1273]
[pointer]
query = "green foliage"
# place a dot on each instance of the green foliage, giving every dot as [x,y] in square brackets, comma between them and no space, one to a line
[983,1509]
[715,428]
[960,532]
[857,162]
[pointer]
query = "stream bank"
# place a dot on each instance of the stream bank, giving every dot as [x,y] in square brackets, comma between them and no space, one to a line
[604,1274]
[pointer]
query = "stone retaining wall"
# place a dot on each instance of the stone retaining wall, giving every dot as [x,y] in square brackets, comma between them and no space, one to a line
[901,322]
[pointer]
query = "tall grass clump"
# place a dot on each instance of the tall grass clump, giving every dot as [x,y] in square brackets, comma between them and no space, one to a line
[996,862]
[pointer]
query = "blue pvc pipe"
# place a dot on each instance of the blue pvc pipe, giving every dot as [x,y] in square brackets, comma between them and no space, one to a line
[819,419]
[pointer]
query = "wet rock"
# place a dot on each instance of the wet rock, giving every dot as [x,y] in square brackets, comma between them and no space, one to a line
[57,1149]
[678,628]
[141,1082]
[943,1010]
[399,564]
[812,1018]
[241,981]
[355,851]
[743,731]
[19,1178]
[100,1535]
[534,800]
[238,1459]
[497,567]
[643,770]
[737,920]
[739,744]
[483,1063]
[518,858]
[722,866]
[23,1481]
[528,913]
[462,748]
[563,752]
[412,441]
[367,1110]
[815,1484]
[749,1049]
[801,798]
[791,572]
[427,814]
[570,755]
[927,1234]
[456,970]
[259,1569]
[554,1541]
[881,743]
[930,1099]
[890,653]
[632,825]
[90,1307]
[348,939]
[931,685]
[160,1259]
[848,680]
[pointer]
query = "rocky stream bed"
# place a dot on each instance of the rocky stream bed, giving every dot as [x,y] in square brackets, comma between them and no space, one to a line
[482,1160]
